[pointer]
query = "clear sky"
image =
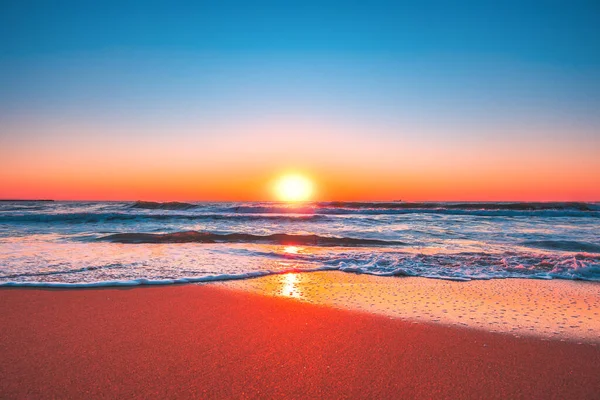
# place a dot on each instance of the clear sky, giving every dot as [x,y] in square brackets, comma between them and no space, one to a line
[428,100]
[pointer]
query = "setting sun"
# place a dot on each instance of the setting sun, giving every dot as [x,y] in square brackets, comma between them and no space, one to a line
[294,188]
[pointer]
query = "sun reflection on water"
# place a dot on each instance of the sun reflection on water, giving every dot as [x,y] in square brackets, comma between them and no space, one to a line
[291,249]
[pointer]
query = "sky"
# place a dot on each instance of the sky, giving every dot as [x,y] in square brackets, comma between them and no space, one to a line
[428,100]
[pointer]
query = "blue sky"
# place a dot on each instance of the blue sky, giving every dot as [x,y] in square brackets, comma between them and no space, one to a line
[71,55]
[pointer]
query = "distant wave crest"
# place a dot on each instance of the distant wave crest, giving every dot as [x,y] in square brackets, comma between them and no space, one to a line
[377,208]
[278,238]
[519,206]
[172,205]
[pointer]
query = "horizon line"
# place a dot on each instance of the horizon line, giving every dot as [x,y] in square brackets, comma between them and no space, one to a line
[303,202]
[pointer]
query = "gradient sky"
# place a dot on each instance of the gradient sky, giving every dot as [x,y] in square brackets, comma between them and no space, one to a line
[372,100]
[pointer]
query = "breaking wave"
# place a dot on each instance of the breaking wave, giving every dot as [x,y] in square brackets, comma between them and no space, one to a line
[454,267]
[172,205]
[154,282]
[83,218]
[278,238]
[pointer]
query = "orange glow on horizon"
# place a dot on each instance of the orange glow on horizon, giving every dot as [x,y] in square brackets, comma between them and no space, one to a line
[339,161]
[333,185]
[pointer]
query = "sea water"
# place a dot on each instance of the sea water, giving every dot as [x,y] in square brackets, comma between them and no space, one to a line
[131,243]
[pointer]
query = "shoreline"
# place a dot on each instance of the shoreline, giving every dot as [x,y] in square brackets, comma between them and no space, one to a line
[210,341]
[567,310]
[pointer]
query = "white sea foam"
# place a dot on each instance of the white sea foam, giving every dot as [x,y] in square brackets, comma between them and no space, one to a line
[153,282]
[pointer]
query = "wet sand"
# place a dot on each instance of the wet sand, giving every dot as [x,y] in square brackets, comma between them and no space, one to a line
[550,309]
[207,341]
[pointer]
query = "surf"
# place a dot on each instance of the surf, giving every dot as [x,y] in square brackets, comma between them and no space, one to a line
[277,238]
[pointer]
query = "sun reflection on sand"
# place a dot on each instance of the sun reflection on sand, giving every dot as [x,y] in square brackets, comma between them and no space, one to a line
[289,286]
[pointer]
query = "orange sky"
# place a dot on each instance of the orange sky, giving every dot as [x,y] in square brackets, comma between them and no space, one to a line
[242,160]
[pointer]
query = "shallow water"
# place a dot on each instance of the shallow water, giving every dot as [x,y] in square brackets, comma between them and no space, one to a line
[126,243]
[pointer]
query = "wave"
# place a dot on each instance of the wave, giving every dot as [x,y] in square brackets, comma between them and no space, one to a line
[23,208]
[154,282]
[477,209]
[564,245]
[58,272]
[518,206]
[278,238]
[276,212]
[172,205]
[116,217]
[270,214]
[455,267]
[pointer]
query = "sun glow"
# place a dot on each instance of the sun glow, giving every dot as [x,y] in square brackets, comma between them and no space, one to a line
[294,188]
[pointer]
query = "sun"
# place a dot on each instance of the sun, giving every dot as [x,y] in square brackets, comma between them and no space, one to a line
[294,188]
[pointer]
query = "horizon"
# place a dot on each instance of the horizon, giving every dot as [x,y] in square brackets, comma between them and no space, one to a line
[305,201]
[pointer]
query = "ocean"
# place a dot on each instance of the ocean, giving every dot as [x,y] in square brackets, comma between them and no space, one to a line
[83,244]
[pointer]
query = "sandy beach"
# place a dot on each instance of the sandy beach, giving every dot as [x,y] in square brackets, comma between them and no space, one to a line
[207,341]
